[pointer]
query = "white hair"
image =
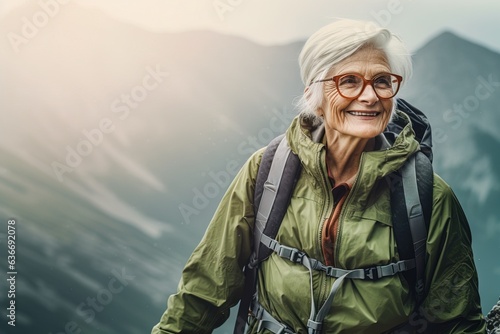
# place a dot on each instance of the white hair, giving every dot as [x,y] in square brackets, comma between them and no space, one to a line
[336,42]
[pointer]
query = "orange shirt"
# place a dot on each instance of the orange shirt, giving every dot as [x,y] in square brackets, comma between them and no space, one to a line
[331,226]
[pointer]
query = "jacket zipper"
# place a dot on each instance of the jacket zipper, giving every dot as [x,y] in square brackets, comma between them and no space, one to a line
[327,210]
[342,210]
[325,214]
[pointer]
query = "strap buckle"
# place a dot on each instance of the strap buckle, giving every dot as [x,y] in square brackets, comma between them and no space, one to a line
[329,271]
[398,267]
[333,272]
[372,273]
[292,254]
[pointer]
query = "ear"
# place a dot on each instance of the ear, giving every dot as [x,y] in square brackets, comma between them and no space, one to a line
[307,95]
[320,113]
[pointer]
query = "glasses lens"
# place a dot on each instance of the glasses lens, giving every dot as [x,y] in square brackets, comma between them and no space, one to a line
[386,85]
[350,85]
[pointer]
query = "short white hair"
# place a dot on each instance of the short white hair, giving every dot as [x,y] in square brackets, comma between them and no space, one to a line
[336,42]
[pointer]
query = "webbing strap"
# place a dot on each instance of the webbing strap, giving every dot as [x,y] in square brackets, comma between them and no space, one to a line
[315,321]
[267,321]
[416,219]
[272,184]
[295,255]
[269,194]
[271,200]
[372,273]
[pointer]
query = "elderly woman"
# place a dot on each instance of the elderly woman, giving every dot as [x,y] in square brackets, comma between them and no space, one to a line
[339,213]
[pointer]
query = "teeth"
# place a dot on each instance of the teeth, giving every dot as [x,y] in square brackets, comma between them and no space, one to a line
[356,113]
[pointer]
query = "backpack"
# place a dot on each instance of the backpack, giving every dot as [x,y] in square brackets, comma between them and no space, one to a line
[411,204]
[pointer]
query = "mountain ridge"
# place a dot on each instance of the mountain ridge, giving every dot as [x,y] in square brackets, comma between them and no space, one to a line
[451,36]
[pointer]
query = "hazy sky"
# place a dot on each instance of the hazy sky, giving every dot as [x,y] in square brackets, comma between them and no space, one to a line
[279,21]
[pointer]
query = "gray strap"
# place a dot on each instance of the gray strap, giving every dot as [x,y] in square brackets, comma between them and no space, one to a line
[373,273]
[315,321]
[314,324]
[270,191]
[415,217]
[267,321]
[311,323]
[272,184]
[290,253]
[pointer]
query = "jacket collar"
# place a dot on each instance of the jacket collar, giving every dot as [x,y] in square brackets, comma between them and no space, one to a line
[386,158]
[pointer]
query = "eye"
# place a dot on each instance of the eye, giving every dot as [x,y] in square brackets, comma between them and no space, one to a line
[349,80]
[383,81]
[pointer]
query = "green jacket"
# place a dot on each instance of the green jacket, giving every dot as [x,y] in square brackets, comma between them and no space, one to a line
[212,280]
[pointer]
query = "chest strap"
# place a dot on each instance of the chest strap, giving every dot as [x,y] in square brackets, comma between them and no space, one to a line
[315,321]
[372,273]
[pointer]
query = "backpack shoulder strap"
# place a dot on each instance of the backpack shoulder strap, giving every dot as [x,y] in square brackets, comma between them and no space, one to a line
[278,173]
[411,206]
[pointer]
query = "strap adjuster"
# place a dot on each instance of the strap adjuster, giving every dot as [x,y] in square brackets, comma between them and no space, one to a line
[329,271]
[371,273]
[314,326]
[398,267]
[292,254]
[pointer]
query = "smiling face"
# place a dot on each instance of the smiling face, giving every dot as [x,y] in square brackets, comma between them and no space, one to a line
[366,116]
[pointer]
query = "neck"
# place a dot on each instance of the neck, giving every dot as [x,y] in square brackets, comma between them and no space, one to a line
[344,155]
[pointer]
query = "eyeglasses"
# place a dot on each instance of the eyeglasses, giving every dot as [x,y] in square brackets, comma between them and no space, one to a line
[351,85]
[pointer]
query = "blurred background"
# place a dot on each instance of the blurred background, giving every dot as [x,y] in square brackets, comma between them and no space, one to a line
[123,122]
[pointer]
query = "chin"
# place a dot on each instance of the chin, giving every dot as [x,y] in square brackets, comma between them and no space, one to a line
[367,133]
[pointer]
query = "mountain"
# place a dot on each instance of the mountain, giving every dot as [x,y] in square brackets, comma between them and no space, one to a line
[107,132]
[457,83]
[118,143]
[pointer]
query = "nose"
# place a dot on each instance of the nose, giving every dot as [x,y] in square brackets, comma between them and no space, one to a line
[368,95]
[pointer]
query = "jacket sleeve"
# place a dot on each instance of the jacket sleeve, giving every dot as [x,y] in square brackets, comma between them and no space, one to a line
[452,304]
[212,280]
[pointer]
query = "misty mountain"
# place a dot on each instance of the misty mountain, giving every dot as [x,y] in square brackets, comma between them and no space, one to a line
[118,143]
[457,83]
